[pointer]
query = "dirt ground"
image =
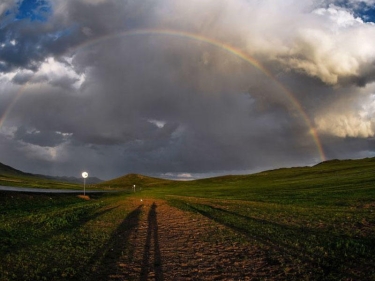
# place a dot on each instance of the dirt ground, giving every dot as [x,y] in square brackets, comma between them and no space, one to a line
[165,243]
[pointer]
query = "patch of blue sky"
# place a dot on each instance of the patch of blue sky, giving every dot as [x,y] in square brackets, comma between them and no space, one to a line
[34,10]
[367,15]
[7,13]
[360,9]
[63,32]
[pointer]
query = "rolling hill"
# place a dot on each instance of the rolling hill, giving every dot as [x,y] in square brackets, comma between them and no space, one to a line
[127,182]
[13,177]
[282,183]
[311,223]
[9,171]
[330,182]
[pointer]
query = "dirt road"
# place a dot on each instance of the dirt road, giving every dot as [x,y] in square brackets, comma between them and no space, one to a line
[165,243]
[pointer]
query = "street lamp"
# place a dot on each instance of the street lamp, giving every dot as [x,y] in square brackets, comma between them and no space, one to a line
[84,175]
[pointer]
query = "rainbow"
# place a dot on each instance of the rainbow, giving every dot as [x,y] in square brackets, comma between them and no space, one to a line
[213,42]
[12,103]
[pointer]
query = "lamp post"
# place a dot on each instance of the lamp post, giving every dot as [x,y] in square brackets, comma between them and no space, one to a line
[84,175]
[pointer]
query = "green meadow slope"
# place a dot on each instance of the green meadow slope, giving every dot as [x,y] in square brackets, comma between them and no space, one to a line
[13,177]
[330,182]
[334,181]
[140,181]
[311,223]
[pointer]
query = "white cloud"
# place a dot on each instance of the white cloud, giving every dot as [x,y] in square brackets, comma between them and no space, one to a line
[358,2]
[6,4]
[43,153]
[94,2]
[350,4]
[178,176]
[321,55]
[157,123]
[59,74]
[327,43]
[358,121]
[51,71]
[335,46]
[341,18]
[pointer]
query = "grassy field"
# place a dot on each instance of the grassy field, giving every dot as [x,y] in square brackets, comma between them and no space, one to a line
[12,177]
[56,237]
[341,183]
[319,222]
[38,183]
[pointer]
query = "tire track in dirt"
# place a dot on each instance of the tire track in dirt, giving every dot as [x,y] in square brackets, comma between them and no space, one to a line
[170,244]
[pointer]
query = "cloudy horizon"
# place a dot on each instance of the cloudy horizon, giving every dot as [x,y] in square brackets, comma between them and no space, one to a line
[184,89]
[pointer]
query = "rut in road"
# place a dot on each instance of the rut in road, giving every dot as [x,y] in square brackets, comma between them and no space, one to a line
[170,244]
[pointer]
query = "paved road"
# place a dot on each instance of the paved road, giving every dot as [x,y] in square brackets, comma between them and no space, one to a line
[45,190]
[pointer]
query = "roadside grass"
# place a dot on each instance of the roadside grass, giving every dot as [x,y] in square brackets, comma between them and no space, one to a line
[329,243]
[35,182]
[61,237]
[317,223]
[348,183]
[12,177]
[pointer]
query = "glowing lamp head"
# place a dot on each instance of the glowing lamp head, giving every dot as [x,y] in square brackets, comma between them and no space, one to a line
[85,175]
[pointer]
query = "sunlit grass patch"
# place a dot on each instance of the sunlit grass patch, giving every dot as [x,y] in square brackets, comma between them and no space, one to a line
[321,241]
[56,239]
[314,223]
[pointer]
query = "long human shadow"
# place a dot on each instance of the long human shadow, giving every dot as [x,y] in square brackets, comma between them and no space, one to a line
[327,264]
[157,266]
[265,238]
[106,257]
[34,240]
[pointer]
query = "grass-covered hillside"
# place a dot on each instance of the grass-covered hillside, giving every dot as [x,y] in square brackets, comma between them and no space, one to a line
[338,182]
[13,177]
[126,182]
[307,223]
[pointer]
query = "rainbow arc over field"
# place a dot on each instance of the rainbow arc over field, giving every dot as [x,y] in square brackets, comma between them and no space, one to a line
[213,42]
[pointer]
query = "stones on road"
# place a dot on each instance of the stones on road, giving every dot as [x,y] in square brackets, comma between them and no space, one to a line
[171,244]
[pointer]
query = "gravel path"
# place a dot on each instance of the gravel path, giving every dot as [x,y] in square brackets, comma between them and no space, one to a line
[169,244]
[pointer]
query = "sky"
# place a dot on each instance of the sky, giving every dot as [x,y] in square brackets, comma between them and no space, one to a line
[184,89]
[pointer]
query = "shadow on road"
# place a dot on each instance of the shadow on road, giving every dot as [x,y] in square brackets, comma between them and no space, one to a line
[106,258]
[152,233]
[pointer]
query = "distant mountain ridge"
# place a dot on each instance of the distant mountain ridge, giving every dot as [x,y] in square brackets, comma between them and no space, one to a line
[89,180]
[14,177]
[9,172]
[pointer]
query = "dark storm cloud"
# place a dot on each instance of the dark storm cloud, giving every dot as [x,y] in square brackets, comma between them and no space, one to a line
[26,44]
[22,78]
[163,104]
[44,139]
[27,40]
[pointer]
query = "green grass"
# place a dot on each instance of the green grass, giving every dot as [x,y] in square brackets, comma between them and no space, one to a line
[12,177]
[58,237]
[36,182]
[126,182]
[331,242]
[348,183]
[316,223]
[319,220]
